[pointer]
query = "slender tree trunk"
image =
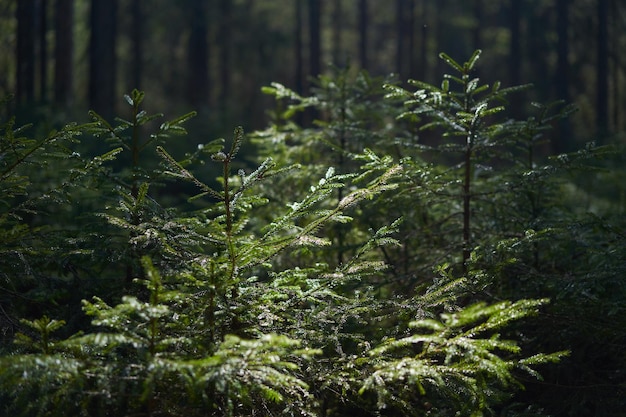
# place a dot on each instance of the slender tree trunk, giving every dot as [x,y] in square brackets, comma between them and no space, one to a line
[617,73]
[479,17]
[422,70]
[336,32]
[561,79]
[411,57]
[401,39]
[137,17]
[363,31]
[225,45]
[25,51]
[515,58]
[42,32]
[299,56]
[63,52]
[315,48]
[102,57]
[315,37]
[198,55]
[602,70]
[299,83]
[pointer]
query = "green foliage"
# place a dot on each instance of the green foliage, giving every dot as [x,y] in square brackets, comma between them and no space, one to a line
[385,260]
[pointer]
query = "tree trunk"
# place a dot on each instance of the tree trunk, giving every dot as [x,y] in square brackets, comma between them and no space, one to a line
[336,33]
[63,52]
[602,70]
[363,29]
[315,38]
[479,17]
[25,51]
[299,84]
[422,69]
[42,41]
[102,57]
[137,17]
[410,27]
[515,53]
[617,89]
[315,50]
[561,79]
[225,45]
[400,39]
[198,55]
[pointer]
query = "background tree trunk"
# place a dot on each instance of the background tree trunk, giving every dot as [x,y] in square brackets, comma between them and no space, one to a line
[315,50]
[401,28]
[225,45]
[137,35]
[63,52]
[477,41]
[315,37]
[337,24]
[198,54]
[602,70]
[25,52]
[299,64]
[363,17]
[515,52]
[410,27]
[42,50]
[617,73]
[102,57]
[422,69]
[561,78]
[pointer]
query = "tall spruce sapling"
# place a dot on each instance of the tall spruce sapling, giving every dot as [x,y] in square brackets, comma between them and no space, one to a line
[136,212]
[352,117]
[483,173]
[462,111]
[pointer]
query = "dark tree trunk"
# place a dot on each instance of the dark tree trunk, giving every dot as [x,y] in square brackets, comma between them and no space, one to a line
[363,30]
[422,69]
[336,33]
[299,83]
[102,57]
[63,52]
[537,22]
[401,39]
[315,50]
[479,17]
[25,52]
[137,17]
[225,45]
[561,79]
[198,55]
[315,38]
[515,58]
[602,70]
[42,29]
[411,39]
[405,22]
[616,73]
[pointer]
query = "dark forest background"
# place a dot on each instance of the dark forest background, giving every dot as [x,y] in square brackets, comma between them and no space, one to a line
[214,56]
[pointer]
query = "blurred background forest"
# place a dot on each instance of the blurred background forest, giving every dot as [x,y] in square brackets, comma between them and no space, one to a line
[214,56]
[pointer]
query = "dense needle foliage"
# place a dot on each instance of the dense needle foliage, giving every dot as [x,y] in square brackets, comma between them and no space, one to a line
[407,254]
